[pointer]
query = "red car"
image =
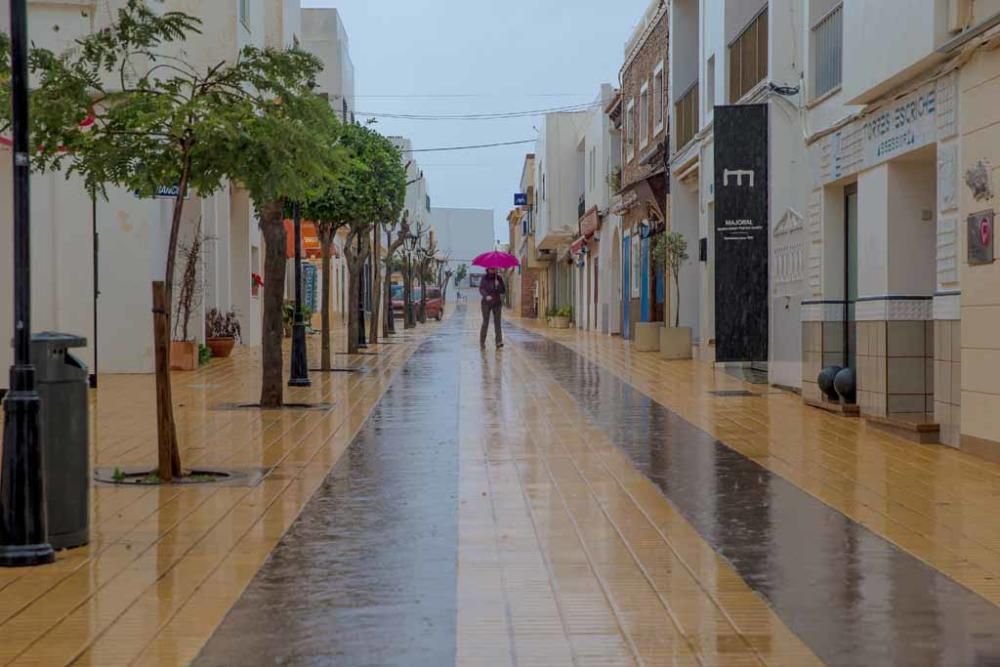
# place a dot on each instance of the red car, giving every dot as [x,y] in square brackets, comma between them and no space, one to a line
[435,304]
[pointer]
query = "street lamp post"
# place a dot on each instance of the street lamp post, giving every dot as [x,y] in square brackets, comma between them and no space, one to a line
[23,530]
[411,245]
[300,364]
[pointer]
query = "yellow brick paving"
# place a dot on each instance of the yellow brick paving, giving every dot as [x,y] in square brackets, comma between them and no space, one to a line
[936,503]
[568,555]
[166,564]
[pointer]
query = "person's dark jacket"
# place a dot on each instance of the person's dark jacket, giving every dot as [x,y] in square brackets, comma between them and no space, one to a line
[492,286]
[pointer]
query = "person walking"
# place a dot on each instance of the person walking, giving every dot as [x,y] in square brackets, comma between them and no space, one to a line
[492,289]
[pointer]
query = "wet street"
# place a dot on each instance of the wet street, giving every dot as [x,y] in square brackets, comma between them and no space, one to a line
[527,506]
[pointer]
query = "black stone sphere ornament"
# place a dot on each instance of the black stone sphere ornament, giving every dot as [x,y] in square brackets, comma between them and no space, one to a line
[846,385]
[825,381]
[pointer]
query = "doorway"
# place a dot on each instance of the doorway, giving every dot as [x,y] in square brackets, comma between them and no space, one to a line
[850,275]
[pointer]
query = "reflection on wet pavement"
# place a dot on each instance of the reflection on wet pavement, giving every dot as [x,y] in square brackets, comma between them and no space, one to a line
[366,575]
[854,598]
[529,507]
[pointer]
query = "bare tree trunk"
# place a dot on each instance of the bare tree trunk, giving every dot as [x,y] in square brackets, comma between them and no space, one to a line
[275,264]
[376,322]
[326,245]
[168,451]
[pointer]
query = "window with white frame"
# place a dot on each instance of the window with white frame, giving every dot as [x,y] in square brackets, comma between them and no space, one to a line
[828,51]
[659,95]
[245,13]
[630,130]
[644,115]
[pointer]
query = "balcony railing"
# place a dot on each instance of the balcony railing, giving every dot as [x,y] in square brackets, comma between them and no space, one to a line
[686,109]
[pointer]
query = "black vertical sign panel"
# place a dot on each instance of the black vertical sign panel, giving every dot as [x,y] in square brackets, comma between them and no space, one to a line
[741,233]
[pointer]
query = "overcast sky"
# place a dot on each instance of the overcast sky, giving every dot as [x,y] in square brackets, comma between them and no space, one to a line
[445,57]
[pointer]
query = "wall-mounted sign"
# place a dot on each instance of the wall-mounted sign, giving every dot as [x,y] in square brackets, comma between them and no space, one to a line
[908,124]
[520,199]
[169,192]
[981,238]
[741,233]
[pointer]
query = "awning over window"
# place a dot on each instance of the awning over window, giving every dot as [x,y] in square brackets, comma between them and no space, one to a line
[310,241]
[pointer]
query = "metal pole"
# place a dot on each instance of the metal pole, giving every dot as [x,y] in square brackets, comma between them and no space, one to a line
[362,341]
[97,288]
[300,364]
[23,528]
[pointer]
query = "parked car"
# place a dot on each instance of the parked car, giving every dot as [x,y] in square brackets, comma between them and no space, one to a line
[435,304]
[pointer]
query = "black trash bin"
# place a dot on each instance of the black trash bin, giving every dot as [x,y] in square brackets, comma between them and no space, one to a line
[61,379]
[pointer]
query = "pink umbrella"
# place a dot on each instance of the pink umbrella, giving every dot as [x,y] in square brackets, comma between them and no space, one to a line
[496,260]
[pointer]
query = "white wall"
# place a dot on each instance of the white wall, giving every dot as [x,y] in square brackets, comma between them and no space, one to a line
[324,35]
[912,224]
[884,40]
[556,181]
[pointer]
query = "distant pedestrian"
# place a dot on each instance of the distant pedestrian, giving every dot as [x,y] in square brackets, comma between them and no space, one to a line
[492,289]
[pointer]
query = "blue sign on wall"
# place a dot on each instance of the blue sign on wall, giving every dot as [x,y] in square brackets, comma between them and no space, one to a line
[310,298]
[520,199]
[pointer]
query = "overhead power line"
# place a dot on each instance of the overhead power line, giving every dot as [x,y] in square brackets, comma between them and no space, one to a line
[481,116]
[465,148]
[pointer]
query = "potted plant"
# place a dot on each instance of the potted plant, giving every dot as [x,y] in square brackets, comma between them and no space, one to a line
[561,317]
[670,253]
[288,317]
[222,331]
[183,348]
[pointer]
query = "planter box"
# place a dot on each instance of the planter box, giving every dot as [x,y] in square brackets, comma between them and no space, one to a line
[183,355]
[647,336]
[221,347]
[560,323]
[675,342]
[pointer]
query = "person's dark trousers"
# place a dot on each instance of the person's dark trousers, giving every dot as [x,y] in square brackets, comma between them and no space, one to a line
[496,309]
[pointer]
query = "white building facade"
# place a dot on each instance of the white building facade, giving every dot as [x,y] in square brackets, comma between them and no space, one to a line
[121,241]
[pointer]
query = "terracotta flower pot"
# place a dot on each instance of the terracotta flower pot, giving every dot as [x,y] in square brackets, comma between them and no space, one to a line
[221,347]
[560,322]
[183,355]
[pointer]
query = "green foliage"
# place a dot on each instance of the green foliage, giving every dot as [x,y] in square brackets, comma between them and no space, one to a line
[288,313]
[4,82]
[204,354]
[118,475]
[157,118]
[370,189]
[461,273]
[670,253]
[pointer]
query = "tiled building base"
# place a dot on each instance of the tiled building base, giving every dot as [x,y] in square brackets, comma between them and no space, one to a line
[981,447]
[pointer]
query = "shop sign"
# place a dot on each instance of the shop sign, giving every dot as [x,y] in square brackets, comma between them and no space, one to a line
[741,232]
[981,238]
[520,199]
[899,128]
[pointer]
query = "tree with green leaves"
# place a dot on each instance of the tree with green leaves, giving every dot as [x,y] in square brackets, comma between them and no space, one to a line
[670,253]
[155,120]
[460,274]
[371,188]
[291,153]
